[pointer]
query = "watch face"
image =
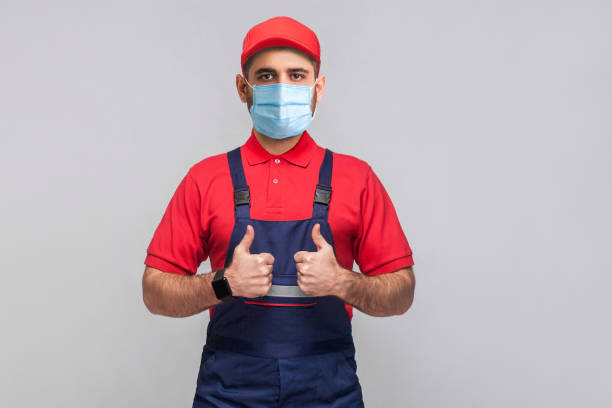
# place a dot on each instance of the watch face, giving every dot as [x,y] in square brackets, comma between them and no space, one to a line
[221,288]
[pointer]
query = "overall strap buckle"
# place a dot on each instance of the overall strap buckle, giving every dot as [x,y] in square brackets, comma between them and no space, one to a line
[323,194]
[242,196]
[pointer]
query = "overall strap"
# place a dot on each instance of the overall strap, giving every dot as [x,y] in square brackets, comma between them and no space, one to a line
[242,196]
[323,191]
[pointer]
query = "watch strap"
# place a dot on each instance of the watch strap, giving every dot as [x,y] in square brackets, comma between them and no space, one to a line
[219,274]
[223,287]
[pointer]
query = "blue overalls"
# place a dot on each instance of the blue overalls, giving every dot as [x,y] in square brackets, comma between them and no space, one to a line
[287,348]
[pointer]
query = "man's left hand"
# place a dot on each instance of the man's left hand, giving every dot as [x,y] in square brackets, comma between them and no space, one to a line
[318,272]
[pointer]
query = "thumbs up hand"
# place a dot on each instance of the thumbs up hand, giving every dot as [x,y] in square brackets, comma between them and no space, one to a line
[249,275]
[318,272]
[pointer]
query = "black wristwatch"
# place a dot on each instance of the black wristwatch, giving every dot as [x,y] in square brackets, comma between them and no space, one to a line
[221,286]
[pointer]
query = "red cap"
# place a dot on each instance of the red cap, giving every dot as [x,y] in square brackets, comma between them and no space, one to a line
[280,31]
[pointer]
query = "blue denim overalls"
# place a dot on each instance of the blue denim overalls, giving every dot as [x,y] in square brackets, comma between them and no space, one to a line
[287,348]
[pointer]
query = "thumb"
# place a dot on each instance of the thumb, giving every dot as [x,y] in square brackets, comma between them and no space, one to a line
[318,239]
[247,238]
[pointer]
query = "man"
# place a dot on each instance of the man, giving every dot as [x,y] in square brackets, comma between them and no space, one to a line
[282,220]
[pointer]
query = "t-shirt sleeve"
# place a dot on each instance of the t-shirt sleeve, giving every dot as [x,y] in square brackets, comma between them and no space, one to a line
[177,245]
[381,246]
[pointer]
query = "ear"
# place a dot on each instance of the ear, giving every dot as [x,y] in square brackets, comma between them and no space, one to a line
[241,86]
[320,86]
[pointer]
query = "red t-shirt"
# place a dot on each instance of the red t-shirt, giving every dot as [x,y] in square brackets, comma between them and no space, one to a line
[199,218]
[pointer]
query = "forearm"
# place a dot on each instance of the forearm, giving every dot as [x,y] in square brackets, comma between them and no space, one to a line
[381,295]
[177,295]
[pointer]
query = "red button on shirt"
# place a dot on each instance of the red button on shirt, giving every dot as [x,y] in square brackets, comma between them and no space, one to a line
[199,218]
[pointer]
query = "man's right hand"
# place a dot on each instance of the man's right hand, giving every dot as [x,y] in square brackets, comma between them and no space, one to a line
[249,275]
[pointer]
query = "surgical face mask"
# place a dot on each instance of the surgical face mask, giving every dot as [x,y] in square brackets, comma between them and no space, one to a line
[281,110]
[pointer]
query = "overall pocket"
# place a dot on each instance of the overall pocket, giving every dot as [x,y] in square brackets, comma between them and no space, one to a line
[207,357]
[222,367]
[284,321]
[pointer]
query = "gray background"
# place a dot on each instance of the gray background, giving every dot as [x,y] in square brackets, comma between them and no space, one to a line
[488,122]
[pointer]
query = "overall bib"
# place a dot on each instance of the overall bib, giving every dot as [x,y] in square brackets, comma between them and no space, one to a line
[287,348]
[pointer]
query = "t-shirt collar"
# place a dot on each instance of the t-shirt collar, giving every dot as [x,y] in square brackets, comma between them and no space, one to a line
[300,154]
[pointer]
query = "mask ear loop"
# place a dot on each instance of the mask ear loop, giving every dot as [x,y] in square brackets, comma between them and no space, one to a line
[245,80]
[311,92]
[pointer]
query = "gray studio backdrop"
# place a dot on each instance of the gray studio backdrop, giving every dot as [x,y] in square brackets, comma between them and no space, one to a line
[488,122]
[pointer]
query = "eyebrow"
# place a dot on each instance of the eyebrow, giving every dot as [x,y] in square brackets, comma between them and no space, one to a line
[269,69]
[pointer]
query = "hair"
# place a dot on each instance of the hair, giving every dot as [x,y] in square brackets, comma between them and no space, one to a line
[249,62]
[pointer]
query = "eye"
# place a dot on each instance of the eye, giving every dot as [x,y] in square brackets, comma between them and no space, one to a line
[297,76]
[265,77]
